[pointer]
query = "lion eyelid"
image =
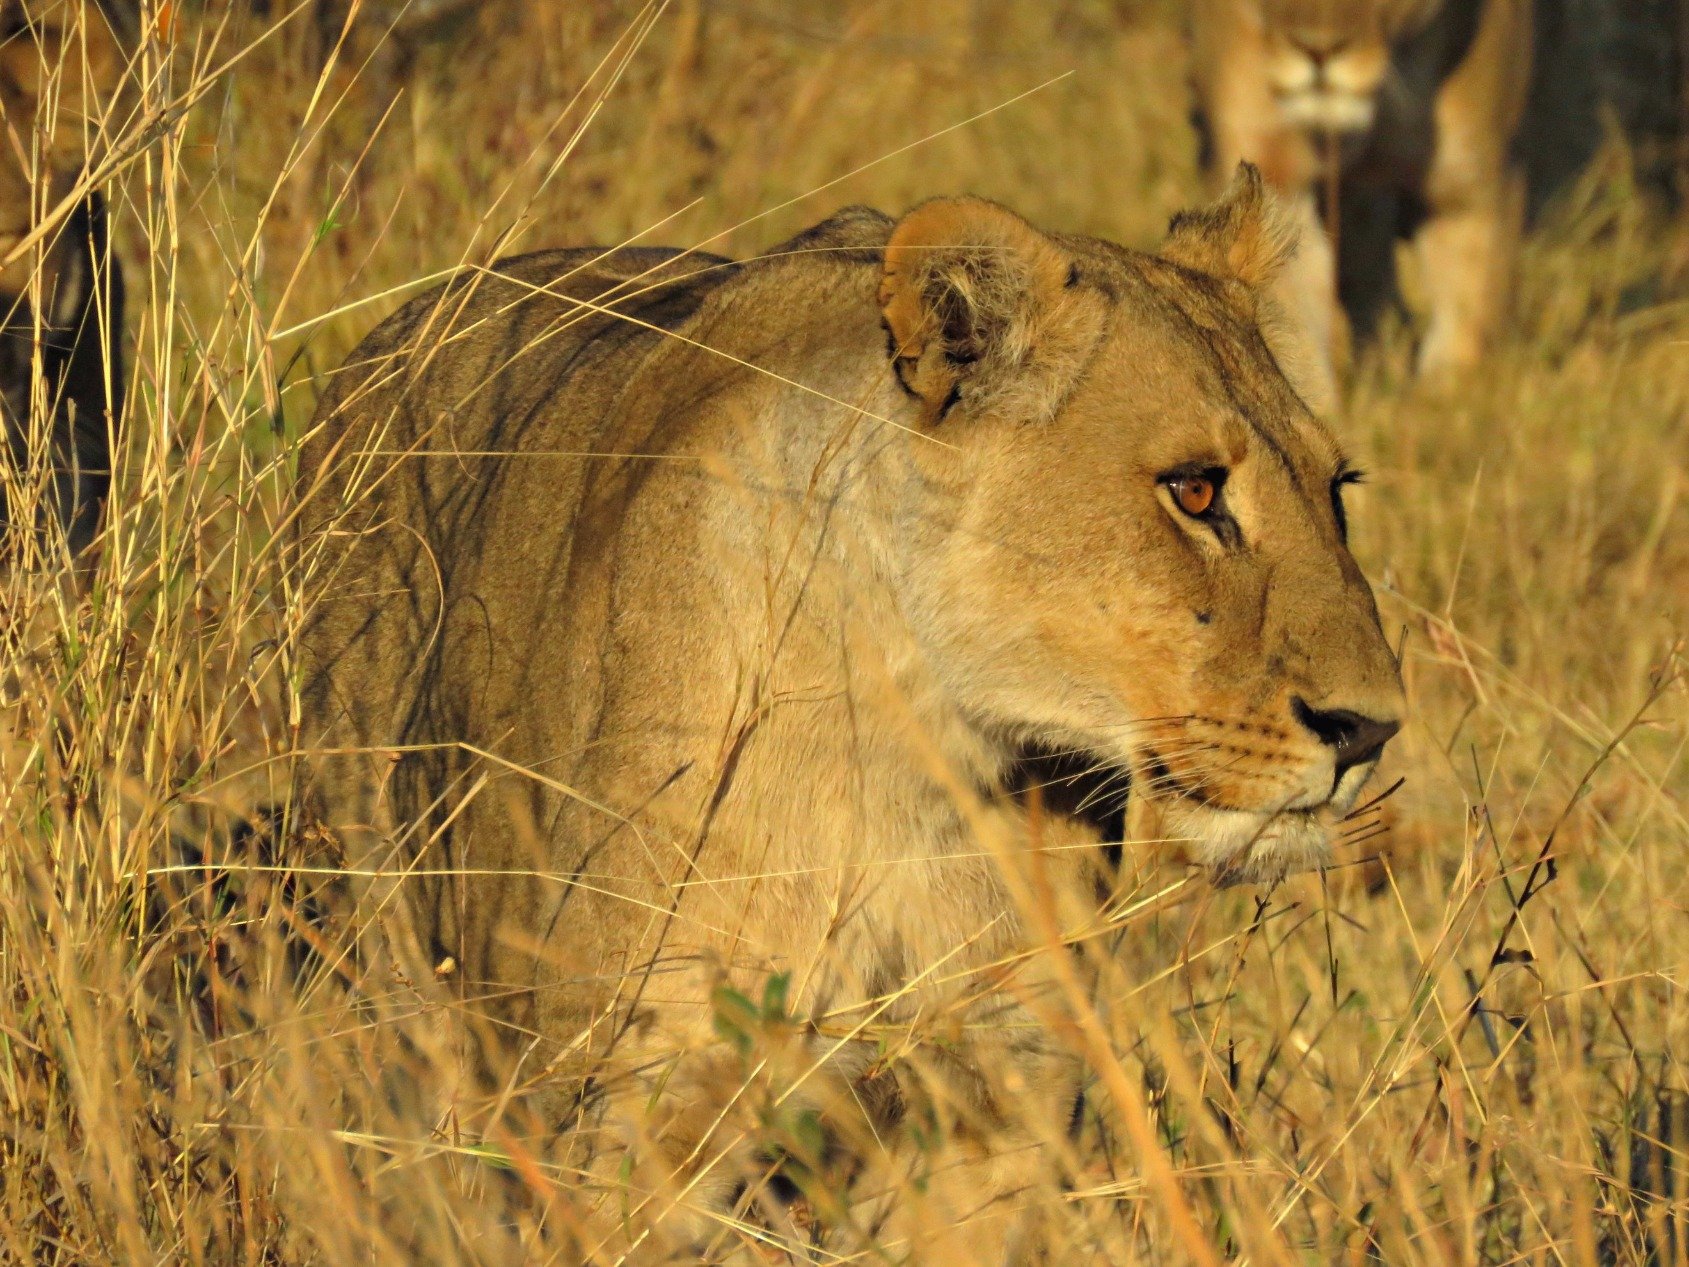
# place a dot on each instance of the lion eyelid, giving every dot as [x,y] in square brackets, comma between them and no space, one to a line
[1346,476]
[1216,473]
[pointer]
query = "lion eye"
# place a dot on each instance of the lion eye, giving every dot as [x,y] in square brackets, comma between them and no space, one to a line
[1194,493]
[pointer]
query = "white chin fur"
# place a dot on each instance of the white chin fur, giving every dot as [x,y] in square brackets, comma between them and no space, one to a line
[1328,111]
[1240,848]
[1243,848]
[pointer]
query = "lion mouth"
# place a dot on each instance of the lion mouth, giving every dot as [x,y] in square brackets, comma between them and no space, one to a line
[1266,846]
[1328,110]
[1087,787]
[1233,845]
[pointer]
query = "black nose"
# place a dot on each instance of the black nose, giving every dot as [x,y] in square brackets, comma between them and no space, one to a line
[1357,739]
[1318,48]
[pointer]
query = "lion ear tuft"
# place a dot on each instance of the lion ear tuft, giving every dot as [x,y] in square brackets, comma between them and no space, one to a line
[1250,237]
[982,310]
[1247,236]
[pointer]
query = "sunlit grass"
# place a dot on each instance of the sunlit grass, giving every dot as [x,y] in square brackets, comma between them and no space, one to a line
[1468,1050]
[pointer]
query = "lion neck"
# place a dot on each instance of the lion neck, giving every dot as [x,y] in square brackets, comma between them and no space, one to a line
[826,515]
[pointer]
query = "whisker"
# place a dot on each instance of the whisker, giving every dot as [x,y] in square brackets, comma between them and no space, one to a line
[1361,838]
[1358,821]
[1378,800]
[1352,862]
[1105,766]
[1171,720]
[1043,750]
[1113,788]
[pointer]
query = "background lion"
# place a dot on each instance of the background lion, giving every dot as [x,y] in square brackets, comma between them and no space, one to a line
[1381,119]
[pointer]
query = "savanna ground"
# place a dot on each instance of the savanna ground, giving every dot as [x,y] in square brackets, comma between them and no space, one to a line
[1471,1050]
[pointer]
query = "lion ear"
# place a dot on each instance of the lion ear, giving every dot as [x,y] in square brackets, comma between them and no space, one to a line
[1246,236]
[1251,237]
[983,311]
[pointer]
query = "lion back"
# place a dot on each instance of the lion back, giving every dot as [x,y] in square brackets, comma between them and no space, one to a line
[420,436]
[462,492]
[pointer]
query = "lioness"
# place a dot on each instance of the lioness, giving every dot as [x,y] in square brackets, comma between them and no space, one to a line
[61,303]
[698,615]
[1412,105]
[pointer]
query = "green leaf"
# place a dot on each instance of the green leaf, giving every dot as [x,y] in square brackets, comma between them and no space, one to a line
[774,996]
[493,1155]
[735,1018]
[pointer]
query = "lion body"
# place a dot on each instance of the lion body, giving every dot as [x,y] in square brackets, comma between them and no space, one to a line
[669,638]
[1409,108]
[576,690]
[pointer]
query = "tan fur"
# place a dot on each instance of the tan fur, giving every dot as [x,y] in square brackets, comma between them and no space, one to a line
[750,690]
[61,61]
[1420,101]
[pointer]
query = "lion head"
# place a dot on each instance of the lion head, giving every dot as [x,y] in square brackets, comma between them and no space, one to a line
[1328,60]
[1130,540]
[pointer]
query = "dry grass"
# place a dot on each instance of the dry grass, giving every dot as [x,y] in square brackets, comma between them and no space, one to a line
[1479,1061]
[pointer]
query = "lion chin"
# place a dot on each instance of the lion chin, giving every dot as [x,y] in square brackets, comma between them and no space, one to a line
[1328,110]
[1255,848]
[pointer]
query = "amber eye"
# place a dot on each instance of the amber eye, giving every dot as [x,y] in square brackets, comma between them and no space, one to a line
[1194,493]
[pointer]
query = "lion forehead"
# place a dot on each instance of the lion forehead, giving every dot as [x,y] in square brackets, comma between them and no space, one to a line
[1350,18]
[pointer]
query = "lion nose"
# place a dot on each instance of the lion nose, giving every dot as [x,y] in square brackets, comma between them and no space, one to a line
[1318,47]
[1357,739]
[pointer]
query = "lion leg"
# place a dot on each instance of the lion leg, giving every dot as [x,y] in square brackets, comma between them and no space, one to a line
[1468,251]
[703,1151]
[981,1202]
[972,1168]
[670,1166]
